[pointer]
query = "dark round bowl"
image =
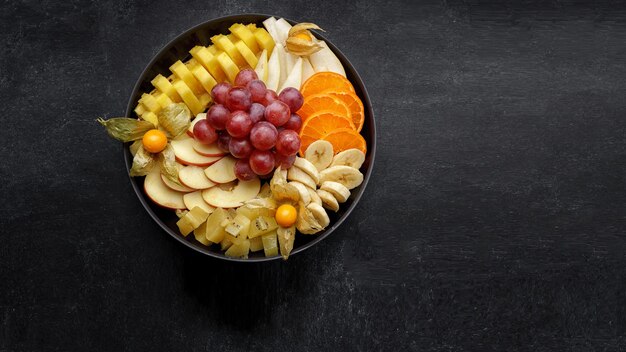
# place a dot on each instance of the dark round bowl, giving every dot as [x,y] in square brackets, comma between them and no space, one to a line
[178,49]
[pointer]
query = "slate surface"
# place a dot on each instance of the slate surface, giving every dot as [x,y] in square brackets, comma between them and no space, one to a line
[494,219]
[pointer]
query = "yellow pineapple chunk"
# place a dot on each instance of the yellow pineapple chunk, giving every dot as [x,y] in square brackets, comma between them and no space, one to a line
[203,76]
[150,102]
[224,43]
[265,40]
[205,100]
[208,60]
[182,72]
[228,66]
[150,117]
[247,54]
[165,86]
[140,109]
[251,27]
[188,97]
[245,34]
[162,99]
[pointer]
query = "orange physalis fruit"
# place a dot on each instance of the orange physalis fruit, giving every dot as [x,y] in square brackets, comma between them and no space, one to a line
[154,141]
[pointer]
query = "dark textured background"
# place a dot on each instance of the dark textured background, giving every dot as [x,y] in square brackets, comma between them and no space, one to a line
[494,219]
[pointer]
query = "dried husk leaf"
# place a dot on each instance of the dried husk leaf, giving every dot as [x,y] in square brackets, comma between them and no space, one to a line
[125,129]
[143,162]
[261,203]
[168,164]
[281,190]
[299,46]
[306,222]
[174,119]
[135,147]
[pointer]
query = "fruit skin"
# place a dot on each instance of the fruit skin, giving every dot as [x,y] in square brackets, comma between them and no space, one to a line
[284,161]
[245,76]
[238,98]
[159,193]
[257,112]
[220,92]
[217,116]
[154,141]
[270,96]
[286,215]
[294,123]
[277,113]
[243,171]
[292,97]
[239,124]
[288,142]
[204,133]
[263,135]
[320,154]
[257,90]
[240,148]
[223,141]
[262,162]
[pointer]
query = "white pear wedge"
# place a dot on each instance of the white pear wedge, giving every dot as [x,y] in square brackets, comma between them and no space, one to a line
[273,69]
[326,60]
[307,70]
[270,26]
[294,78]
[261,66]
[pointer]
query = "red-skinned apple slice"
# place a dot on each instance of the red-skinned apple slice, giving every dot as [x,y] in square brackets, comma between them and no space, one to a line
[229,196]
[194,177]
[162,195]
[222,171]
[199,117]
[207,150]
[194,199]
[175,187]
[183,149]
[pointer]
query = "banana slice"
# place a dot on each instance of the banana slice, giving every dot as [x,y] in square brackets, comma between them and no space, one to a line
[296,174]
[328,200]
[305,196]
[351,157]
[338,190]
[319,213]
[308,167]
[314,197]
[346,175]
[320,153]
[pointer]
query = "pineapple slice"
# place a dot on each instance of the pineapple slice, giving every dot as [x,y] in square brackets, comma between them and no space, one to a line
[151,117]
[256,244]
[264,39]
[208,60]
[251,27]
[140,109]
[165,86]
[203,76]
[182,72]
[228,66]
[270,244]
[247,54]
[192,220]
[162,99]
[150,102]
[188,97]
[224,43]
[245,34]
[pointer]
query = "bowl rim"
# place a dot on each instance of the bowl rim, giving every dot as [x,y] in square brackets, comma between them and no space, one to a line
[206,251]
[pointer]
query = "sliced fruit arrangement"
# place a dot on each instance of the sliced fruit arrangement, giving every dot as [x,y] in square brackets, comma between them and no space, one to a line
[259,96]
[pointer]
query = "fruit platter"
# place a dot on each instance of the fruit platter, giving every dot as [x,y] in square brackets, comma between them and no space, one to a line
[248,137]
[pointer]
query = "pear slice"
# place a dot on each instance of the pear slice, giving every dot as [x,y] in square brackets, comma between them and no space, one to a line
[228,196]
[307,69]
[294,78]
[282,30]
[222,171]
[273,70]
[270,26]
[159,193]
[326,60]
[261,67]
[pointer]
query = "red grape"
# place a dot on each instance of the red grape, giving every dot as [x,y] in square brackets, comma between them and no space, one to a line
[263,135]
[262,162]
[217,116]
[240,148]
[243,171]
[219,92]
[288,143]
[283,161]
[292,97]
[238,98]
[239,124]
[257,112]
[204,133]
[257,90]
[223,140]
[244,76]
[270,96]
[277,113]
[294,123]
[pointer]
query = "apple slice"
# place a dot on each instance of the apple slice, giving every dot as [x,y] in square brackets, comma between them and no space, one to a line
[294,78]
[229,196]
[175,187]
[222,171]
[199,117]
[194,177]
[194,199]
[162,195]
[207,150]
[185,154]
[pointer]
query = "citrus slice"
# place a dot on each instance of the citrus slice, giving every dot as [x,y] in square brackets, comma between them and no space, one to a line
[344,139]
[355,105]
[319,125]
[325,81]
[323,102]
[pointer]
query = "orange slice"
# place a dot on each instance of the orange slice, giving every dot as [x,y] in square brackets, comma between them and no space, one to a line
[323,102]
[344,139]
[319,125]
[325,81]
[355,105]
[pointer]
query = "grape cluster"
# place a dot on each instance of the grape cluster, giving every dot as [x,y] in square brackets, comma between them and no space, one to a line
[253,124]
